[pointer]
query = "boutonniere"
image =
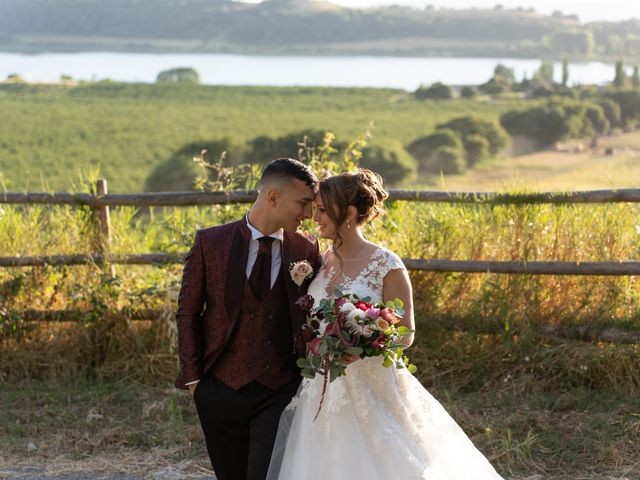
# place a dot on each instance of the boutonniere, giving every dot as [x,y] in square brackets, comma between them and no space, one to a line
[300,271]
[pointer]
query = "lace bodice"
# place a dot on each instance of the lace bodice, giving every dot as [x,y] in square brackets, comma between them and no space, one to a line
[363,277]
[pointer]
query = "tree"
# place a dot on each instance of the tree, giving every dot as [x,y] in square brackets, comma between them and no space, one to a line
[389,159]
[178,75]
[545,72]
[471,125]
[437,91]
[423,148]
[565,72]
[611,110]
[574,43]
[447,160]
[635,78]
[505,73]
[179,172]
[620,79]
[468,92]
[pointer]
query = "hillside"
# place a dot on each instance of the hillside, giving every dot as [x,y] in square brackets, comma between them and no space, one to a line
[305,27]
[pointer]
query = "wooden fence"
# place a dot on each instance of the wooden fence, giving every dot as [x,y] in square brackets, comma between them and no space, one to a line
[100,246]
[102,201]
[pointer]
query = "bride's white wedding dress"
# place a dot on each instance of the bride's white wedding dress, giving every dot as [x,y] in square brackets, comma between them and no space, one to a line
[376,422]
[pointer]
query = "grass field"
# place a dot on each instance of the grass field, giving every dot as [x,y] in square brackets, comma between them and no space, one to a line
[50,134]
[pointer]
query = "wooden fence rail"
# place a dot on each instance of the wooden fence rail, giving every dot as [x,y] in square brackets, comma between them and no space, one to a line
[186,199]
[461,266]
[101,202]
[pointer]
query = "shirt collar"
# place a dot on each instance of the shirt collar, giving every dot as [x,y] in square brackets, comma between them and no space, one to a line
[256,234]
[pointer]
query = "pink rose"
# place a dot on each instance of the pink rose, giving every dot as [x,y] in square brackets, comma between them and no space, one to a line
[373,313]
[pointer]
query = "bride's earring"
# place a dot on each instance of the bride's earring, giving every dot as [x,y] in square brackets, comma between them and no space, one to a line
[348,225]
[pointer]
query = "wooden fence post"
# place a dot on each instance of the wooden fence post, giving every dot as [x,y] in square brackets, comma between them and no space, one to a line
[103,224]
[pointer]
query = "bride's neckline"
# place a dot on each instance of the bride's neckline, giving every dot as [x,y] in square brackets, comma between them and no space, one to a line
[375,250]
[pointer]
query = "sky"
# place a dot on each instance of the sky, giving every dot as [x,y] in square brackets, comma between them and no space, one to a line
[587,10]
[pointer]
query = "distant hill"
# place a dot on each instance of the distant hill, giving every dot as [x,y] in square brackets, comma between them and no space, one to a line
[306,27]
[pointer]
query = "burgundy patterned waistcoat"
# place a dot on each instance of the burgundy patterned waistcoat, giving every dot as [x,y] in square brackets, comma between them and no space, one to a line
[261,347]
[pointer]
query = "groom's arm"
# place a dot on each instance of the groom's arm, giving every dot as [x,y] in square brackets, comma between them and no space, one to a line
[191,302]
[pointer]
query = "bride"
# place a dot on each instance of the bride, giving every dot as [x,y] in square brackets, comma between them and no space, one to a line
[375,422]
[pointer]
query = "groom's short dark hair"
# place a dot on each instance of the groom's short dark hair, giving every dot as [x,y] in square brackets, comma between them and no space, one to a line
[288,168]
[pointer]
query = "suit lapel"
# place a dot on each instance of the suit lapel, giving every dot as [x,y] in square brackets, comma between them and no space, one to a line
[293,292]
[236,274]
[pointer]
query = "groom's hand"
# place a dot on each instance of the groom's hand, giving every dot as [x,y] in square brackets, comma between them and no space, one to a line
[192,388]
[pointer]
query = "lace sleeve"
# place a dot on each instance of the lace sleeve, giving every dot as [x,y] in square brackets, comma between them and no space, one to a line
[391,262]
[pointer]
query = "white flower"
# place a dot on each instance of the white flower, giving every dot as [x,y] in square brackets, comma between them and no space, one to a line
[1,212]
[300,271]
[355,315]
[355,324]
[347,307]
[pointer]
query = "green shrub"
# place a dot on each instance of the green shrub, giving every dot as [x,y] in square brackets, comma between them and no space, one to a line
[557,119]
[389,159]
[448,160]
[629,102]
[423,148]
[471,125]
[179,75]
[476,149]
[179,172]
[612,111]
[468,92]
[263,149]
[437,91]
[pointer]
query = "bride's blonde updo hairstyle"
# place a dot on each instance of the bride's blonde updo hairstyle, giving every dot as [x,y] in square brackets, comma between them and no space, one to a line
[363,189]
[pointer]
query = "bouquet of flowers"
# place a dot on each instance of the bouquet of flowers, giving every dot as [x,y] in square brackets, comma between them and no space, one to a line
[347,328]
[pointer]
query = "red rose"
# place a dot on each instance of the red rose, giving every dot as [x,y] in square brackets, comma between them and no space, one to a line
[314,346]
[364,306]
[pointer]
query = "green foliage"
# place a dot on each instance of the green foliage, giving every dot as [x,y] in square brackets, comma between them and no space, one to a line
[545,73]
[391,160]
[447,160]
[263,149]
[180,171]
[477,149]
[611,110]
[179,75]
[578,42]
[56,132]
[629,102]
[468,92]
[436,91]
[620,80]
[557,119]
[473,125]
[423,150]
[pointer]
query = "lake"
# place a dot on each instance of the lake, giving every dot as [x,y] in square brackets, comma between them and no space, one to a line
[222,69]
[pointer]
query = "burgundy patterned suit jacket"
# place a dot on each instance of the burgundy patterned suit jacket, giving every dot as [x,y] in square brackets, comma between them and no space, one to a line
[212,287]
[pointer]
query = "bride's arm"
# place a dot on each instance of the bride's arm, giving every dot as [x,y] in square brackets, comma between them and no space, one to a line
[397,285]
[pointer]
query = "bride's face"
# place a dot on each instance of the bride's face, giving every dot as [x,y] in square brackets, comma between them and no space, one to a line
[326,226]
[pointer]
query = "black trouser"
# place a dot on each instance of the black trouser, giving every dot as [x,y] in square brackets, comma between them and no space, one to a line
[240,426]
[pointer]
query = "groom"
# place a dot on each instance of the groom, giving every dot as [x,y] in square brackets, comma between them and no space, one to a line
[238,325]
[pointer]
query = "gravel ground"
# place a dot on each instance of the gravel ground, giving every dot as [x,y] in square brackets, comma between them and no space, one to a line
[99,470]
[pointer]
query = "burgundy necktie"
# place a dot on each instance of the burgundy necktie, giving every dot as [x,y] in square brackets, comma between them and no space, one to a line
[260,278]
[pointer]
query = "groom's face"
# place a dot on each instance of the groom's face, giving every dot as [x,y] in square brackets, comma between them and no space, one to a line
[295,200]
